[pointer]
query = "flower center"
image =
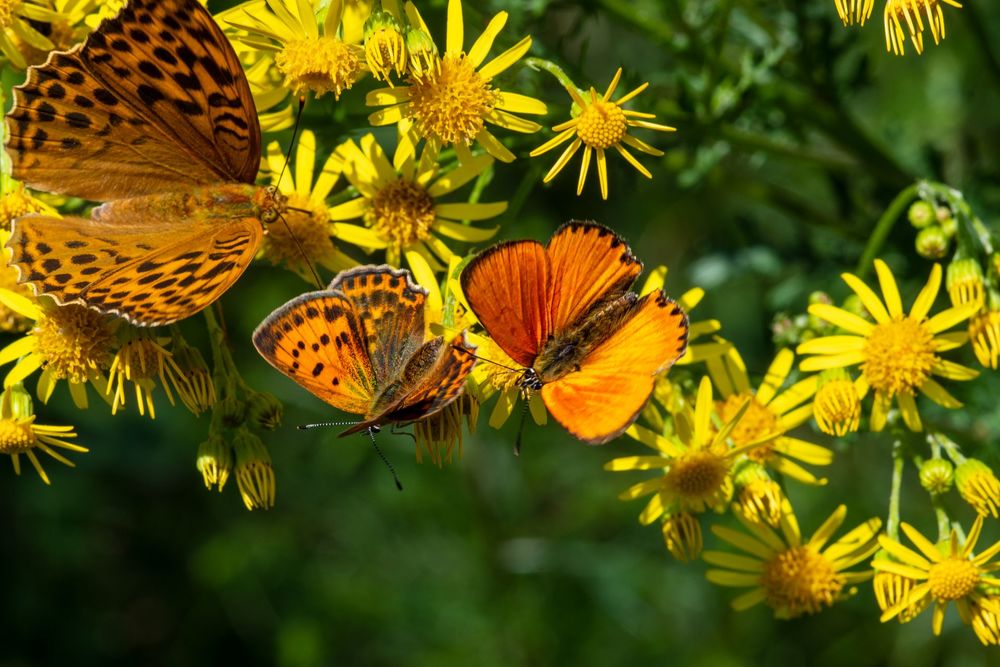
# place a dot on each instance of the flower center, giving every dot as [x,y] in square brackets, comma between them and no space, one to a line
[799,580]
[16,436]
[320,65]
[307,232]
[953,578]
[898,356]
[7,9]
[74,341]
[758,422]
[601,124]
[402,211]
[697,476]
[17,202]
[837,408]
[448,103]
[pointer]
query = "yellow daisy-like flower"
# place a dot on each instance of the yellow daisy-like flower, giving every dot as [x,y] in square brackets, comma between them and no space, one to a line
[986,621]
[385,46]
[304,233]
[311,58]
[696,461]
[71,343]
[198,379]
[69,26]
[898,353]
[19,434]
[601,124]
[978,486]
[682,536]
[399,205]
[759,498]
[837,406]
[949,572]
[11,320]
[912,14]
[141,359]
[253,471]
[15,201]
[984,334]
[771,413]
[17,35]
[891,590]
[215,461]
[451,103]
[791,576]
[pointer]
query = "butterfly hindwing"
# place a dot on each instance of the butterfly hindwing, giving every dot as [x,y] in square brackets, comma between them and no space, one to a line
[391,309]
[588,263]
[600,400]
[154,101]
[317,340]
[506,286]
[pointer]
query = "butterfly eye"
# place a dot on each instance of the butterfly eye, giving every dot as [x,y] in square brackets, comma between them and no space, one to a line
[269,215]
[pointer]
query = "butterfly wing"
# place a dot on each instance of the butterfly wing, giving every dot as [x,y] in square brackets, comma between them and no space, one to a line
[598,402]
[317,340]
[149,270]
[589,263]
[154,101]
[433,388]
[391,309]
[507,288]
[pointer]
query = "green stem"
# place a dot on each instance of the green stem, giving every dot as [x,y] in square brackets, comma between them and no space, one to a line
[553,69]
[943,522]
[950,447]
[883,227]
[898,461]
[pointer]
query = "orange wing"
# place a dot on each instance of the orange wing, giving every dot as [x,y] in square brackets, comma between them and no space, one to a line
[507,288]
[317,340]
[154,101]
[588,263]
[598,402]
[438,387]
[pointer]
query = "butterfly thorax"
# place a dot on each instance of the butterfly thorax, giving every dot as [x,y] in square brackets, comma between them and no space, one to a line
[214,203]
[409,376]
[564,351]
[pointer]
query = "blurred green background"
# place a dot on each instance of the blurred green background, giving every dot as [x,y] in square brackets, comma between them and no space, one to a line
[794,134]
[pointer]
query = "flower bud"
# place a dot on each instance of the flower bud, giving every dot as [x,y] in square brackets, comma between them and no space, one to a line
[921,214]
[937,476]
[978,486]
[932,242]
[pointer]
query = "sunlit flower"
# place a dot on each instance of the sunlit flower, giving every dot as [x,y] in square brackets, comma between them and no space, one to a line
[19,434]
[978,486]
[682,536]
[71,343]
[197,377]
[16,29]
[15,201]
[898,353]
[892,590]
[311,58]
[984,334]
[215,461]
[303,234]
[10,320]
[73,20]
[758,497]
[855,11]
[253,470]
[385,46]
[912,14]
[696,461]
[837,406]
[792,577]
[451,103]
[400,206]
[986,621]
[142,359]
[598,124]
[771,413]
[964,282]
[946,573]
[937,476]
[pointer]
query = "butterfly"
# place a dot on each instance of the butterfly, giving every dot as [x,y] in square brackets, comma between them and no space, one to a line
[153,115]
[564,312]
[359,345]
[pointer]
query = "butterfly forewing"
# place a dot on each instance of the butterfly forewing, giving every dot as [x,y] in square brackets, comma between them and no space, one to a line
[507,288]
[391,310]
[598,402]
[588,264]
[317,340]
[154,101]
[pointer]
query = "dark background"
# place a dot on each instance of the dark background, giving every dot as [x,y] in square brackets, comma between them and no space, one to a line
[794,134]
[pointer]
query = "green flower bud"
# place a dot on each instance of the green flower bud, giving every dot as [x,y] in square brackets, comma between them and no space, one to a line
[932,242]
[921,214]
[937,476]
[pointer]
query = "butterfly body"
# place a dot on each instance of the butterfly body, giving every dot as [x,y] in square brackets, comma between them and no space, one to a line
[152,115]
[564,312]
[359,345]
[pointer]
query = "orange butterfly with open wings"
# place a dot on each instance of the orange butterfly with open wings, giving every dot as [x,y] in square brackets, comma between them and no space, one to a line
[565,313]
[359,345]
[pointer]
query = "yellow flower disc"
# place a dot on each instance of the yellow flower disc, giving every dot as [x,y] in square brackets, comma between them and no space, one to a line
[320,65]
[697,476]
[402,211]
[799,580]
[74,341]
[899,356]
[449,103]
[602,124]
[953,578]
[16,436]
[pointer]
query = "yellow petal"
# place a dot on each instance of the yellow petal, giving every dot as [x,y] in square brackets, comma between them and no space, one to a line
[517,103]
[484,42]
[922,304]
[775,376]
[890,292]
[505,59]
[456,27]
[841,318]
[467,233]
[477,211]
[869,299]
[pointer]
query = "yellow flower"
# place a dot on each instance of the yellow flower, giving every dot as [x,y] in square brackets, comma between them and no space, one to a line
[837,406]
[15,201]
[682,536]
[16,32]
[141,359]
[451,103]
[304,233]
[891,590]
[792,577]
[771,413]
[696,461]
[399,205]
[385,46]
[310,58]
[949,573]
[197,378]
[10,320]
[964,282]
[215,461]
[986,621]
[68,27]
[69,343]
[599,124]
[913,13]
[984,333]
[253,470]
[898,353]
[19,434]
[978,486]
[855,11]
[758,497]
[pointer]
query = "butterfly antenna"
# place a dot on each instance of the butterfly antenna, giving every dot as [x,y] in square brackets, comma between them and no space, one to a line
[489,361]
[371,433]
[303,427]
[520,427]
[295,132]
[302,251]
